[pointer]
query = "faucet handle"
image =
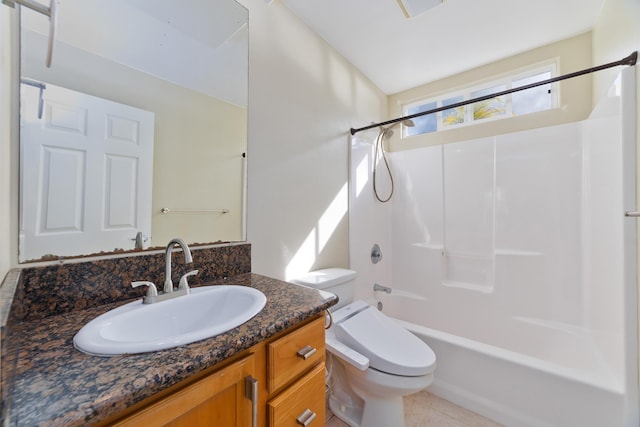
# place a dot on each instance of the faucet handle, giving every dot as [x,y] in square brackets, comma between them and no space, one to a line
[183,280]
[152,291]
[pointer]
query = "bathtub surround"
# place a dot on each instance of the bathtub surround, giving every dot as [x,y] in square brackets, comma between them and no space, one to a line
[511,257]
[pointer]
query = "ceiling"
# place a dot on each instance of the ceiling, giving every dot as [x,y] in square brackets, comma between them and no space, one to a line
[397,53]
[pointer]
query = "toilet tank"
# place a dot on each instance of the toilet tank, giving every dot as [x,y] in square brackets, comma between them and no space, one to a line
[339,281]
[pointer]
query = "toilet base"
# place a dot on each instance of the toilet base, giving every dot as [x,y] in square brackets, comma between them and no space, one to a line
[383,412]
[343,401]
[370,398]
[379,412]
[351,415]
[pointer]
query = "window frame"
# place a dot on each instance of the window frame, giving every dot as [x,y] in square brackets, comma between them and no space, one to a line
[466,92]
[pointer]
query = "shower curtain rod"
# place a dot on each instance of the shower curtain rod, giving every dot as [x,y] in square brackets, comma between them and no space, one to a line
[629,60]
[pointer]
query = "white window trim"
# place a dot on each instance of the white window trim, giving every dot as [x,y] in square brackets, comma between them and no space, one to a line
[506,80]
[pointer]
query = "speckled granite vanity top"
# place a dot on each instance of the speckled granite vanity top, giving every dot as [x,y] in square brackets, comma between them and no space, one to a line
[55,384]
[48,382]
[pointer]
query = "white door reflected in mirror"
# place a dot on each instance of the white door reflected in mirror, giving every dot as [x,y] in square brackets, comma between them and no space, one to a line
[87,170]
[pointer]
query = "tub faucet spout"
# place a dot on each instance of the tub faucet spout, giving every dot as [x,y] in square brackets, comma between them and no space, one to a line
[380,288]
[168,283]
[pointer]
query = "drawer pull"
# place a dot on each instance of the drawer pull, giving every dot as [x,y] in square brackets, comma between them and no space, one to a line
[306,352]
[306,418]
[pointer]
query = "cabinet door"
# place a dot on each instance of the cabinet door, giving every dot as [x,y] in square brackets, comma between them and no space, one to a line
[216,400]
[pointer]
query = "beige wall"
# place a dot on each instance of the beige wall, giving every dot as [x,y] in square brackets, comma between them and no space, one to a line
[303,99]
[616,35]
[575,94]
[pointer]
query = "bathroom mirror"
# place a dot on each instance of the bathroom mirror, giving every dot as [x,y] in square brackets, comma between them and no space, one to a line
[172,73]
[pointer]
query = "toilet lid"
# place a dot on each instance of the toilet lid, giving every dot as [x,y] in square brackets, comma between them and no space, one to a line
[389,347]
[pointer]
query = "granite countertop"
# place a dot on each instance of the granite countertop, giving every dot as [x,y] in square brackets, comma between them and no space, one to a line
[52,384]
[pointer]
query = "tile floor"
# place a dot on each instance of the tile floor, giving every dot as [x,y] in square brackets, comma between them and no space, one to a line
[425,409]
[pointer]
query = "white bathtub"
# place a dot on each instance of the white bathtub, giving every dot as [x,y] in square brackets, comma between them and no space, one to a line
[544,385]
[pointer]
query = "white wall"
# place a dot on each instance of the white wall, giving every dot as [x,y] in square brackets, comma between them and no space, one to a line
[303,99]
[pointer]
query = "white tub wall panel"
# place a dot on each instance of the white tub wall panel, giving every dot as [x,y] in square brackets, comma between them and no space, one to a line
[457,311]
[522,212]
[417,219]
[520,284]
[603,235]
[538,211]
[468,194]
[629,125]
[368,220]
[469,214]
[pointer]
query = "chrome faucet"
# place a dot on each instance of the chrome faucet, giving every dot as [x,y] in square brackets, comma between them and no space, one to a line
[168,283]
[380,288]
[153,295]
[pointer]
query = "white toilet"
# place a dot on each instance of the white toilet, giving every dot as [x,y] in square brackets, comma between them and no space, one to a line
[372,361]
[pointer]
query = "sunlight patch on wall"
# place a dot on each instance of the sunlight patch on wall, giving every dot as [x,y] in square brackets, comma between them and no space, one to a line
[303,260]
[332,216]
[304,257]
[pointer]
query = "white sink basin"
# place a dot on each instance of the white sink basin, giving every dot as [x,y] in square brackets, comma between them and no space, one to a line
[138,328]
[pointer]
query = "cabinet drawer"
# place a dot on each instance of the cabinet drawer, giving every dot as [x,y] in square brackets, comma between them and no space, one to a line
[294,354]
[303,401]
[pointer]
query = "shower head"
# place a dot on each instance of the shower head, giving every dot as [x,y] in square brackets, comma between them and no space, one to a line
[408,123]
[389,133]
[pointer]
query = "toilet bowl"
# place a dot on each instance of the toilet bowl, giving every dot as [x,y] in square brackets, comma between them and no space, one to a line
[373,362]
[380,361]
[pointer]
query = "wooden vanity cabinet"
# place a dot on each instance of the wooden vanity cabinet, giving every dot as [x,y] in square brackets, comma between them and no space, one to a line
[296,377]
[219,399]
[290,373]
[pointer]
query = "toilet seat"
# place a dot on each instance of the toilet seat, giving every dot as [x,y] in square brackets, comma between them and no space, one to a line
[389,347]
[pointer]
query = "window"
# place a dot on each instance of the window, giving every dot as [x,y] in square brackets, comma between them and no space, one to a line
[514,104]
[423,124]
